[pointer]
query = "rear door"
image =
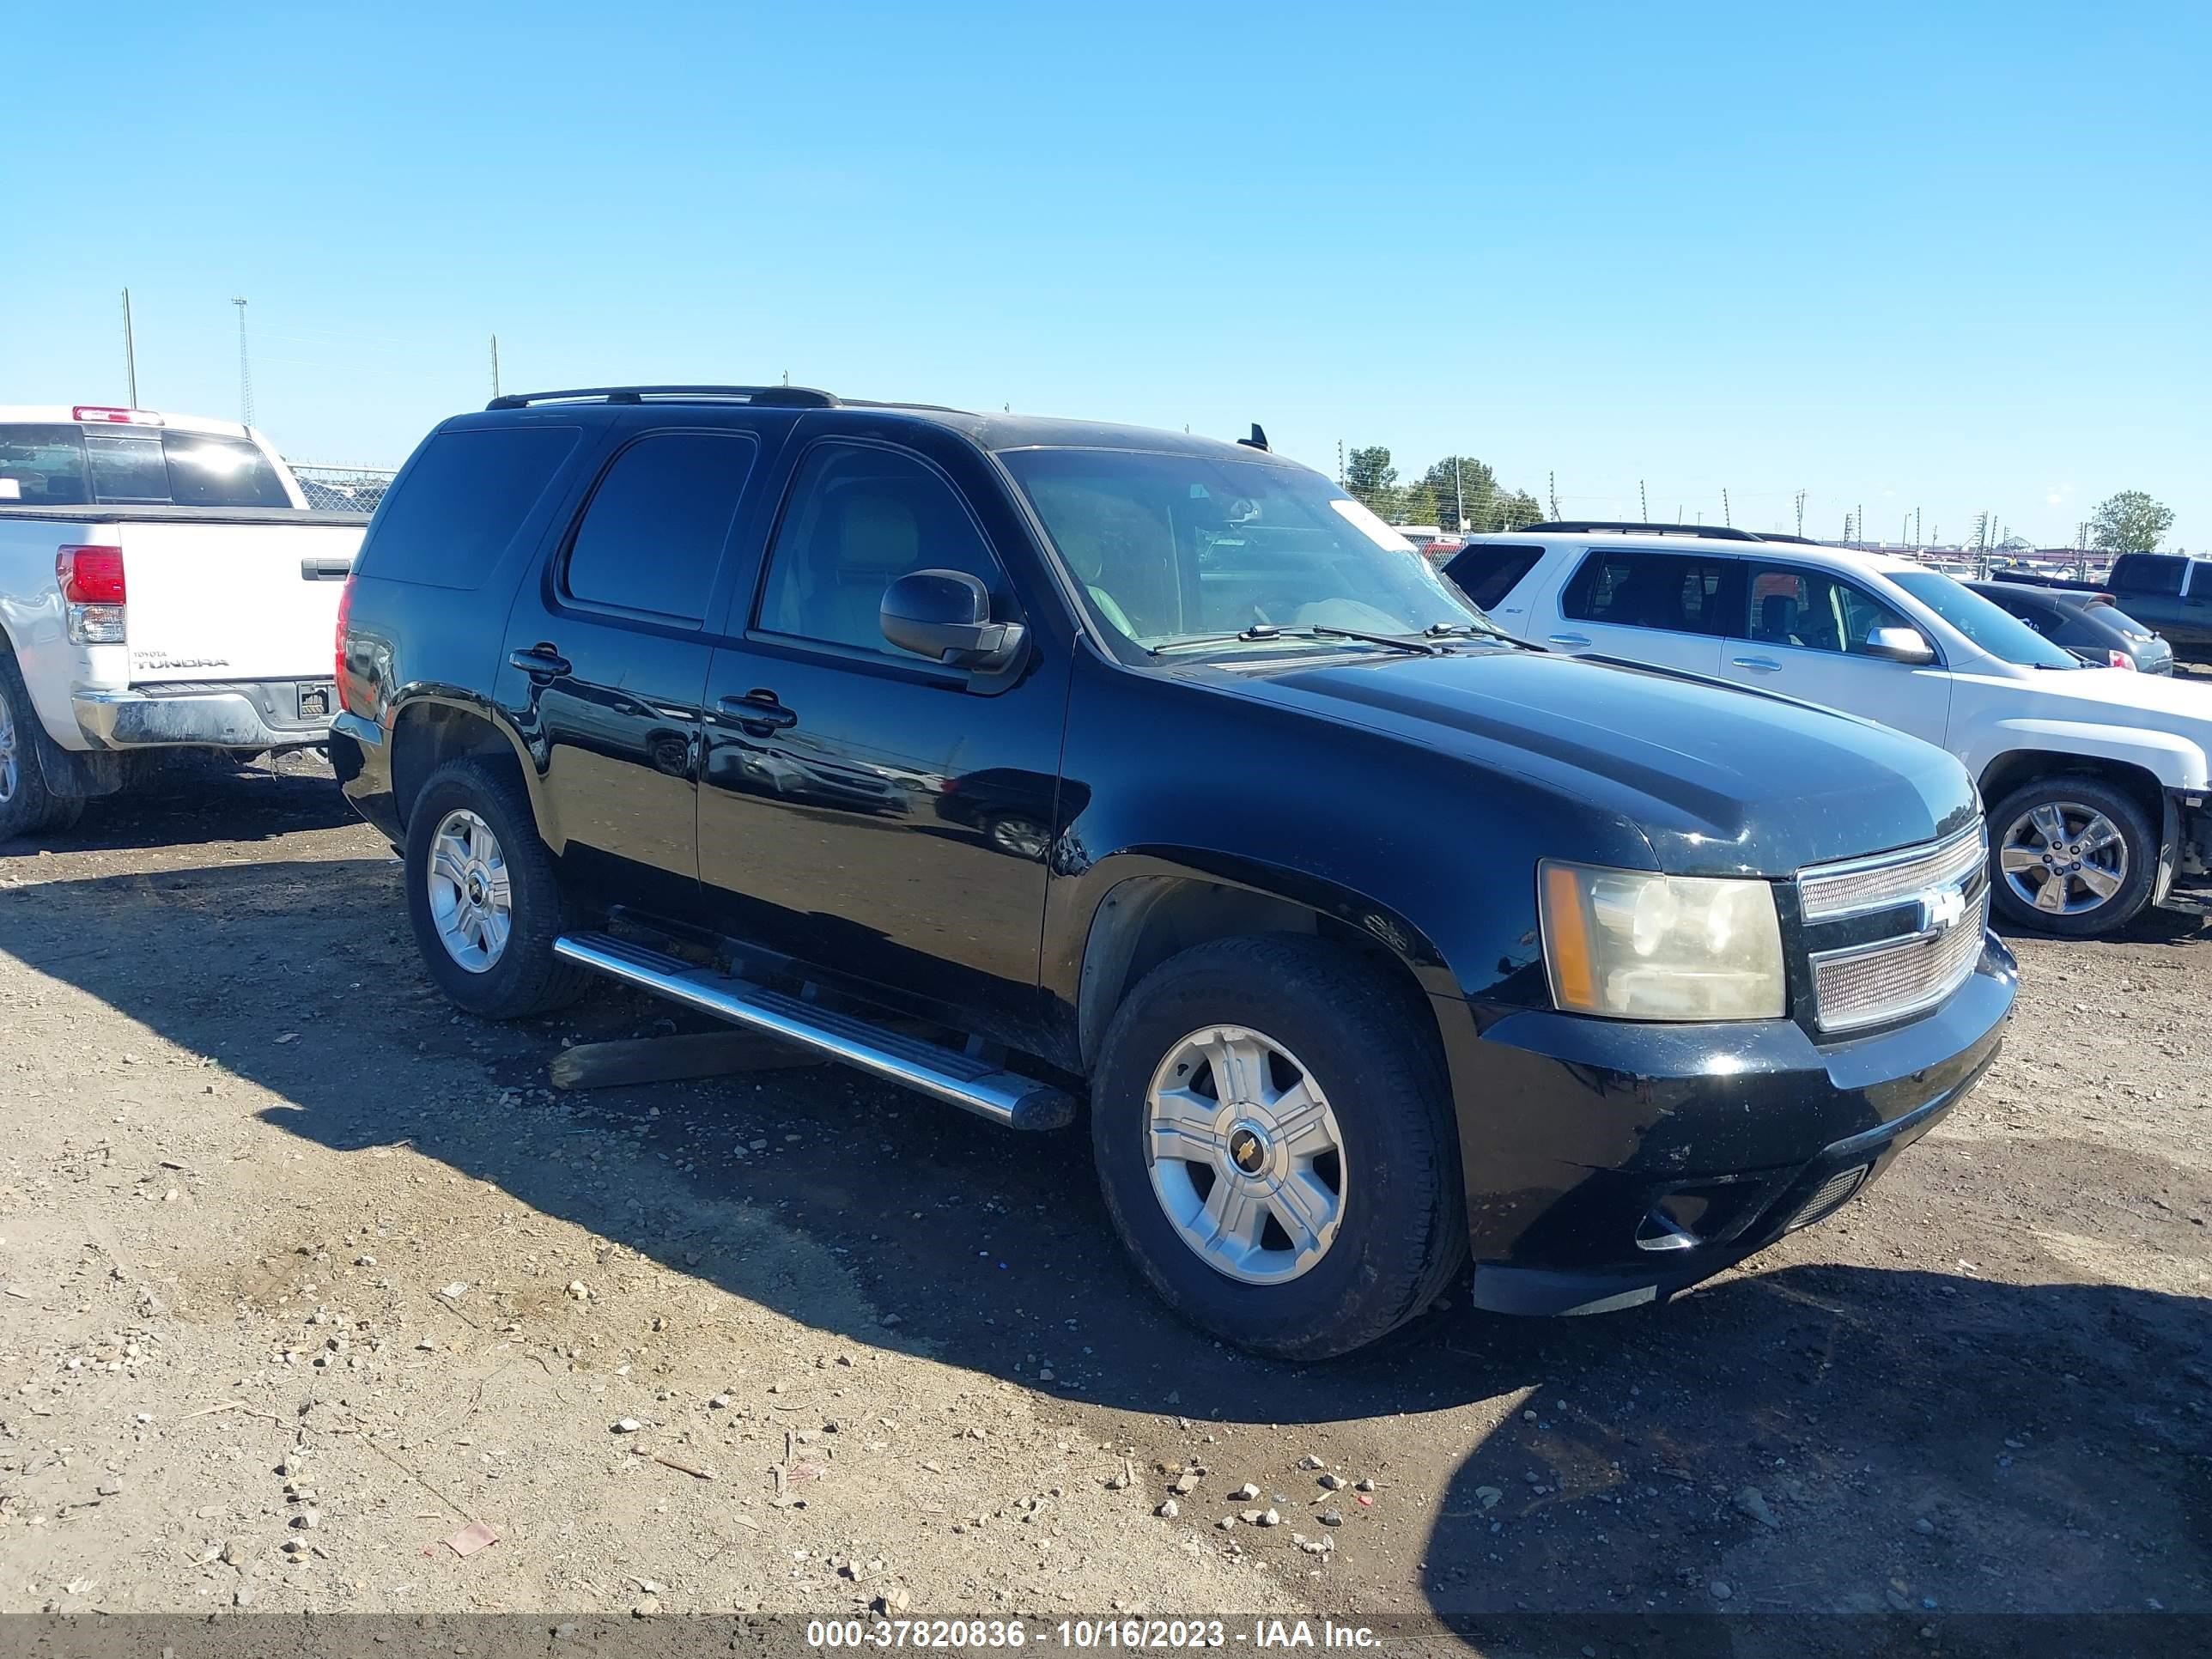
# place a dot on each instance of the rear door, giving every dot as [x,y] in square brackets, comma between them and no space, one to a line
[1646,605]
[1804,633]
[606,655]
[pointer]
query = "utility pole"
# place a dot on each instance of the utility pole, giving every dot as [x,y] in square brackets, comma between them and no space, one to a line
[130,352]
[1727,514]
[245,370]
[1644,501]
[1459,499]
[1339,462]
[1552,489]
[1800,512]
[495,366]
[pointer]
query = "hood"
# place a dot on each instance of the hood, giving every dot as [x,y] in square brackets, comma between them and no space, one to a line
[1719,781]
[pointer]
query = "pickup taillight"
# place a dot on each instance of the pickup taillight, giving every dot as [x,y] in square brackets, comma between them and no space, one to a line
[90,575]
[338,662]
[92,592]
[2119,659]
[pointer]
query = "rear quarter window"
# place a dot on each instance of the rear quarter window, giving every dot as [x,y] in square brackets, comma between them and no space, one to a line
[1487,572]
[447,518]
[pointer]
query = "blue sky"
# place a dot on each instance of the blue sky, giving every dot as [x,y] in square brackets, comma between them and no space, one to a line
[1952,256]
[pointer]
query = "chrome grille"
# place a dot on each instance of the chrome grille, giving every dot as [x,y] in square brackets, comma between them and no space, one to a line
[1862,884]
[1890,979]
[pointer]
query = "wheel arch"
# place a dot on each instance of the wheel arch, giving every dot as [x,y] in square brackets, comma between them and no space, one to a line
[1151,907]
[2008,771]
[431,728]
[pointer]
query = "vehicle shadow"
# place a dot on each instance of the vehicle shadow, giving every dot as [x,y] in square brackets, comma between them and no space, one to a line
[1848,1441]
[2033,1427]
[196,802]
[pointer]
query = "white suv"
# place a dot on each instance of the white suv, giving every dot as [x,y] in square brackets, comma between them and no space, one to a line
[2095,781]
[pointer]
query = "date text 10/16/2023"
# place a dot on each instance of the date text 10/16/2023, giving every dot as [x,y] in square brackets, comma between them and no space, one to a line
[1087,1634]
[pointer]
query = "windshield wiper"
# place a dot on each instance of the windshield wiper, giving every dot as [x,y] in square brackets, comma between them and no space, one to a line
[1261,631]
[1446,630]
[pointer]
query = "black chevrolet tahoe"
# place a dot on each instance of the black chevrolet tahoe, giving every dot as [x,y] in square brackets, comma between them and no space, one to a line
[1056,768]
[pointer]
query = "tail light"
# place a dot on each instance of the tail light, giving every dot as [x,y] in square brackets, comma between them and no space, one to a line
[90,575]
[91,581]
[2119,659]
[339,661]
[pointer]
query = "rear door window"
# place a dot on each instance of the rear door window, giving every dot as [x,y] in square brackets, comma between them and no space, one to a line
[2145,574]
[1487,573]
[652,537]
[1671,591]
[2200,580]
[450,515]
[61,465]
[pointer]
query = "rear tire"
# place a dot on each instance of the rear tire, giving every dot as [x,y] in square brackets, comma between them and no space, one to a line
[1222,1198]
[27,805]
[486,927]
[2078,812]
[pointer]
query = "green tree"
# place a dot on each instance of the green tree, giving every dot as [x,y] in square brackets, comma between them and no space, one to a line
[1462,487]
[1516,510]
[2130,522]
[1369,479]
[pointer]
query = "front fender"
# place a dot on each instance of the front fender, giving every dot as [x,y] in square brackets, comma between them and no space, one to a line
[2176,761]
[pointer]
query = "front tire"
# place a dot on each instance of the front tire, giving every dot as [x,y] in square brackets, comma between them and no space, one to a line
[2071,855]
[483,896]
[1275,1137]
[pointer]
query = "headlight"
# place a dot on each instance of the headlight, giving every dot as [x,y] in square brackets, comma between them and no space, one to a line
[1635,945]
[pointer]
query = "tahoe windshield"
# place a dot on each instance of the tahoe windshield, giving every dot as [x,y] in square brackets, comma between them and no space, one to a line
[1189,549]
[69,466]
[1998,631]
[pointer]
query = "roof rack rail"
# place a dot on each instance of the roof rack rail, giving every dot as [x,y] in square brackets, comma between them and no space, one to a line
[1779,536]
[1711,533]
[765,397]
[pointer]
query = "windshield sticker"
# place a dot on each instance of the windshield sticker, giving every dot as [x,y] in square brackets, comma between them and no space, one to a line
[1364,520]
[11,491]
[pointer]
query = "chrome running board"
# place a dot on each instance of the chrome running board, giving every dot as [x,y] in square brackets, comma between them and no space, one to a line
[1004,1097]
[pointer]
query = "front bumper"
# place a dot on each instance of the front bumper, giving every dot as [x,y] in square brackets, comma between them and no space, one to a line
[251,715]
[1611,1164]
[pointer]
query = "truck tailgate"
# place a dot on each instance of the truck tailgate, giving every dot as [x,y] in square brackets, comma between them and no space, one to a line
[233,601]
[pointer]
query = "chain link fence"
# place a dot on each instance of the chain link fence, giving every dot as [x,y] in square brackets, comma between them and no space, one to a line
[341,489]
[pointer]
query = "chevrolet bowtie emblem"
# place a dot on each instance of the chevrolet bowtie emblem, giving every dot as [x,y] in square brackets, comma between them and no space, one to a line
[1942,909]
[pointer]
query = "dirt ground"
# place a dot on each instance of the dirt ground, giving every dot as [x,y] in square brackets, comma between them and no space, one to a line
[302,1275]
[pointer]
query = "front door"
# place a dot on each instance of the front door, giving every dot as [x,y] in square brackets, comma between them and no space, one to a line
[606,662]
[1805,634]
[866,809]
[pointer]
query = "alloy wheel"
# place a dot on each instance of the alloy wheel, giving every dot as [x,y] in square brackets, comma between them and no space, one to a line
[471,903]
[1247,1158]
[2063,859]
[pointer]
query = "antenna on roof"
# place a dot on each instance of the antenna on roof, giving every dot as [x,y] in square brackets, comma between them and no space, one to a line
[1258,439]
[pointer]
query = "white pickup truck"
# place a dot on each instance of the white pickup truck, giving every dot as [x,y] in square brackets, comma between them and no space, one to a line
[2095,781]
[162,586]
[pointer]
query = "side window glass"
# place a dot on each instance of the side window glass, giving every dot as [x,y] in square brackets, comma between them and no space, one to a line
[1812,612]
[652,535]
[1646,590]
[2145,575]
[2200,580]
[857,519]
[1487,574]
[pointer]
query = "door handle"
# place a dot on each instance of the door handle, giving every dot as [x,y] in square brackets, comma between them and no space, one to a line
[1567,639]
[540,662]
[1757,664]
[759,712]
